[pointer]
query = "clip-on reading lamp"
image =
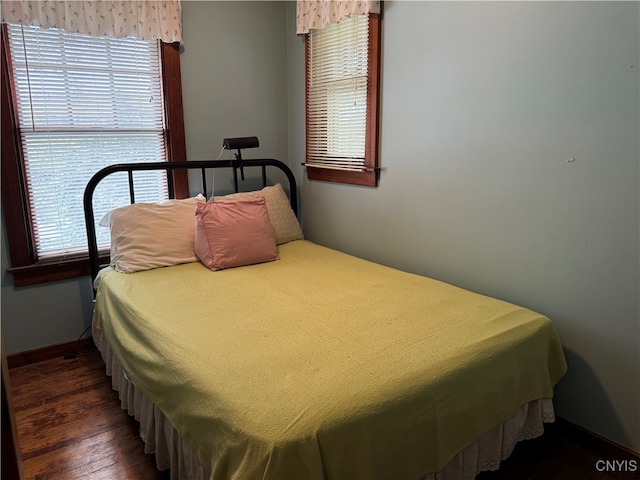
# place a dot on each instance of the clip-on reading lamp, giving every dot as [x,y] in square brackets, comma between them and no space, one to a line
[239,143]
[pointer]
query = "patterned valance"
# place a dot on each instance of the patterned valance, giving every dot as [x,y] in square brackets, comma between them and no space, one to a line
[317,14]
[145,20]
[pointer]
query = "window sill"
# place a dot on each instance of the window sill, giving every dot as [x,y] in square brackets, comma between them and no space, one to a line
[51,271]
[368,178]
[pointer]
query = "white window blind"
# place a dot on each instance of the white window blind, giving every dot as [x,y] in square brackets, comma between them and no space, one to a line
[84,102]
[337,95]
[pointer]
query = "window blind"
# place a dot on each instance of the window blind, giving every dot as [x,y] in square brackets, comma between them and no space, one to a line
[84,102]
[337,95]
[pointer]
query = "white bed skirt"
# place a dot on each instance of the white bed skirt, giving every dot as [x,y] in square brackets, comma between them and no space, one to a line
[172,452]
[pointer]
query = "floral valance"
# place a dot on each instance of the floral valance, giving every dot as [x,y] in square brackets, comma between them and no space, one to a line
[317,14]
[145,20]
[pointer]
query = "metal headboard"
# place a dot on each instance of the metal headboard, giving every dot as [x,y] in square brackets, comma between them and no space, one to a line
[169,167]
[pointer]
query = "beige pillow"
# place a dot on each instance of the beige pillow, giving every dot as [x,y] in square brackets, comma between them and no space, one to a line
[286,227]
[152,235]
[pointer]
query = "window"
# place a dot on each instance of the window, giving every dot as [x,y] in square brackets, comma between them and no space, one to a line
[79,103]
[342,96]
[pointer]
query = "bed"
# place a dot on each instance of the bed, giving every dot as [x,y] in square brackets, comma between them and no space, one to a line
[313,364]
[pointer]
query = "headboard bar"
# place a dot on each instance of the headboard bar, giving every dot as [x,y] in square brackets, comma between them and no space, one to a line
[132,195]
[169,167]
[203,178]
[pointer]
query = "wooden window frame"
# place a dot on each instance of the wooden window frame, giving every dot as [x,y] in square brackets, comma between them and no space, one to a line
[370,176]
[25,268]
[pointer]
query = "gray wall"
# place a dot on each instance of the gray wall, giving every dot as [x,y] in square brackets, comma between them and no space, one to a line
[41,315]
[234,84]
[234,78]
[483,105]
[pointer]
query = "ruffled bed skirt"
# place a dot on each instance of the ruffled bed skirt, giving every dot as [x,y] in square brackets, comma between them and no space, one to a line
[172,452]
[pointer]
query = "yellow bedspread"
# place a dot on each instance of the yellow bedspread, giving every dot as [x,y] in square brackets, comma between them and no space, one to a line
[321,365]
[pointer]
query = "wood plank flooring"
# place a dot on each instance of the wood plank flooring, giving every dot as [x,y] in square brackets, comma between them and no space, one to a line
[71,427]
[554,457]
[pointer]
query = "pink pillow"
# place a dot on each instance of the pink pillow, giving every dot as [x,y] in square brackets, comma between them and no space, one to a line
[233,234]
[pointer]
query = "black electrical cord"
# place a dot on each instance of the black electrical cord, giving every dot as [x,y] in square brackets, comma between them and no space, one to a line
[74,351]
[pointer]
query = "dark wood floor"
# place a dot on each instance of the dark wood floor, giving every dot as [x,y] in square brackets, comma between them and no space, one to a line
[554,457]
[70,427]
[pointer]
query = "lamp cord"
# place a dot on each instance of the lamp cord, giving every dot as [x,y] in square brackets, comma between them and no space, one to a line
[74,351]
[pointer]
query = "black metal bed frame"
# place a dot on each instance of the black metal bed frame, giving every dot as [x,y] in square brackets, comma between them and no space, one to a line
[169,167]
